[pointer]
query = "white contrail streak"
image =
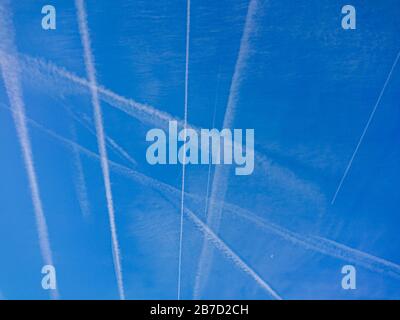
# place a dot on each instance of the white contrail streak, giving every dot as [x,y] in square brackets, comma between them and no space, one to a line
[365,129]
[221,173]
[11,71]
[91,72]
[320,244]
[209,165]
[39,69]
[80,183]
[184,153]
[142,112]
[314,243]
[196,290]
[230,254]
[109,141]
[169,191]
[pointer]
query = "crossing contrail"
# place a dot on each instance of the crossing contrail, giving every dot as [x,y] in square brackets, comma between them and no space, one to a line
[80,179]
[230,254]
[365,129]
[91,73]
[210,162]
[320,244]
[110,142]
[167,190]
[315,243]
[143,112]
[11,71]
[219,185]
[39,69]
[184,153]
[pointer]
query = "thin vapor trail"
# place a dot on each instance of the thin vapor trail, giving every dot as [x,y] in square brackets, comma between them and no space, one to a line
[320,244]
[196,290]
[37,68]
[209,165]
[169,191]
[315,243]
[91,73]
[140,111]
[110,142]
[221,173]
[11,72]
[230,254]
[365,129]
[184,153]
[80,183]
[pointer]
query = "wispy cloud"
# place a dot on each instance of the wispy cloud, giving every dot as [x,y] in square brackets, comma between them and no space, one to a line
[11,74]
[371,117]
[221,173]
[91,72]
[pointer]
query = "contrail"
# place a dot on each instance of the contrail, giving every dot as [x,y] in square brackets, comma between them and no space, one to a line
[80,183]
[140,111]
[320,244]
[91,72]
[149,115]
[230,254]
[209,165]
[184,153]
[365,128]
[221,173]
[167,190]
[109,141]
[11,71]
[196,291]
[314,243]
[364,259]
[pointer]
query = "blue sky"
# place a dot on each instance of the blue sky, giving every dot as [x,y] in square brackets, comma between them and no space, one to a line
[307,88]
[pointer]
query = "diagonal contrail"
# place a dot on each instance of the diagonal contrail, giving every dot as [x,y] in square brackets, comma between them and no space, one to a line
[110,142]
[230,254]
[37,68]
[140,111]
[209,164]
[80,182]
[221,173]
[365,129]
[315,243]
[184,152]
[320,244]
[170,191]
[11,71]
[91,72]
